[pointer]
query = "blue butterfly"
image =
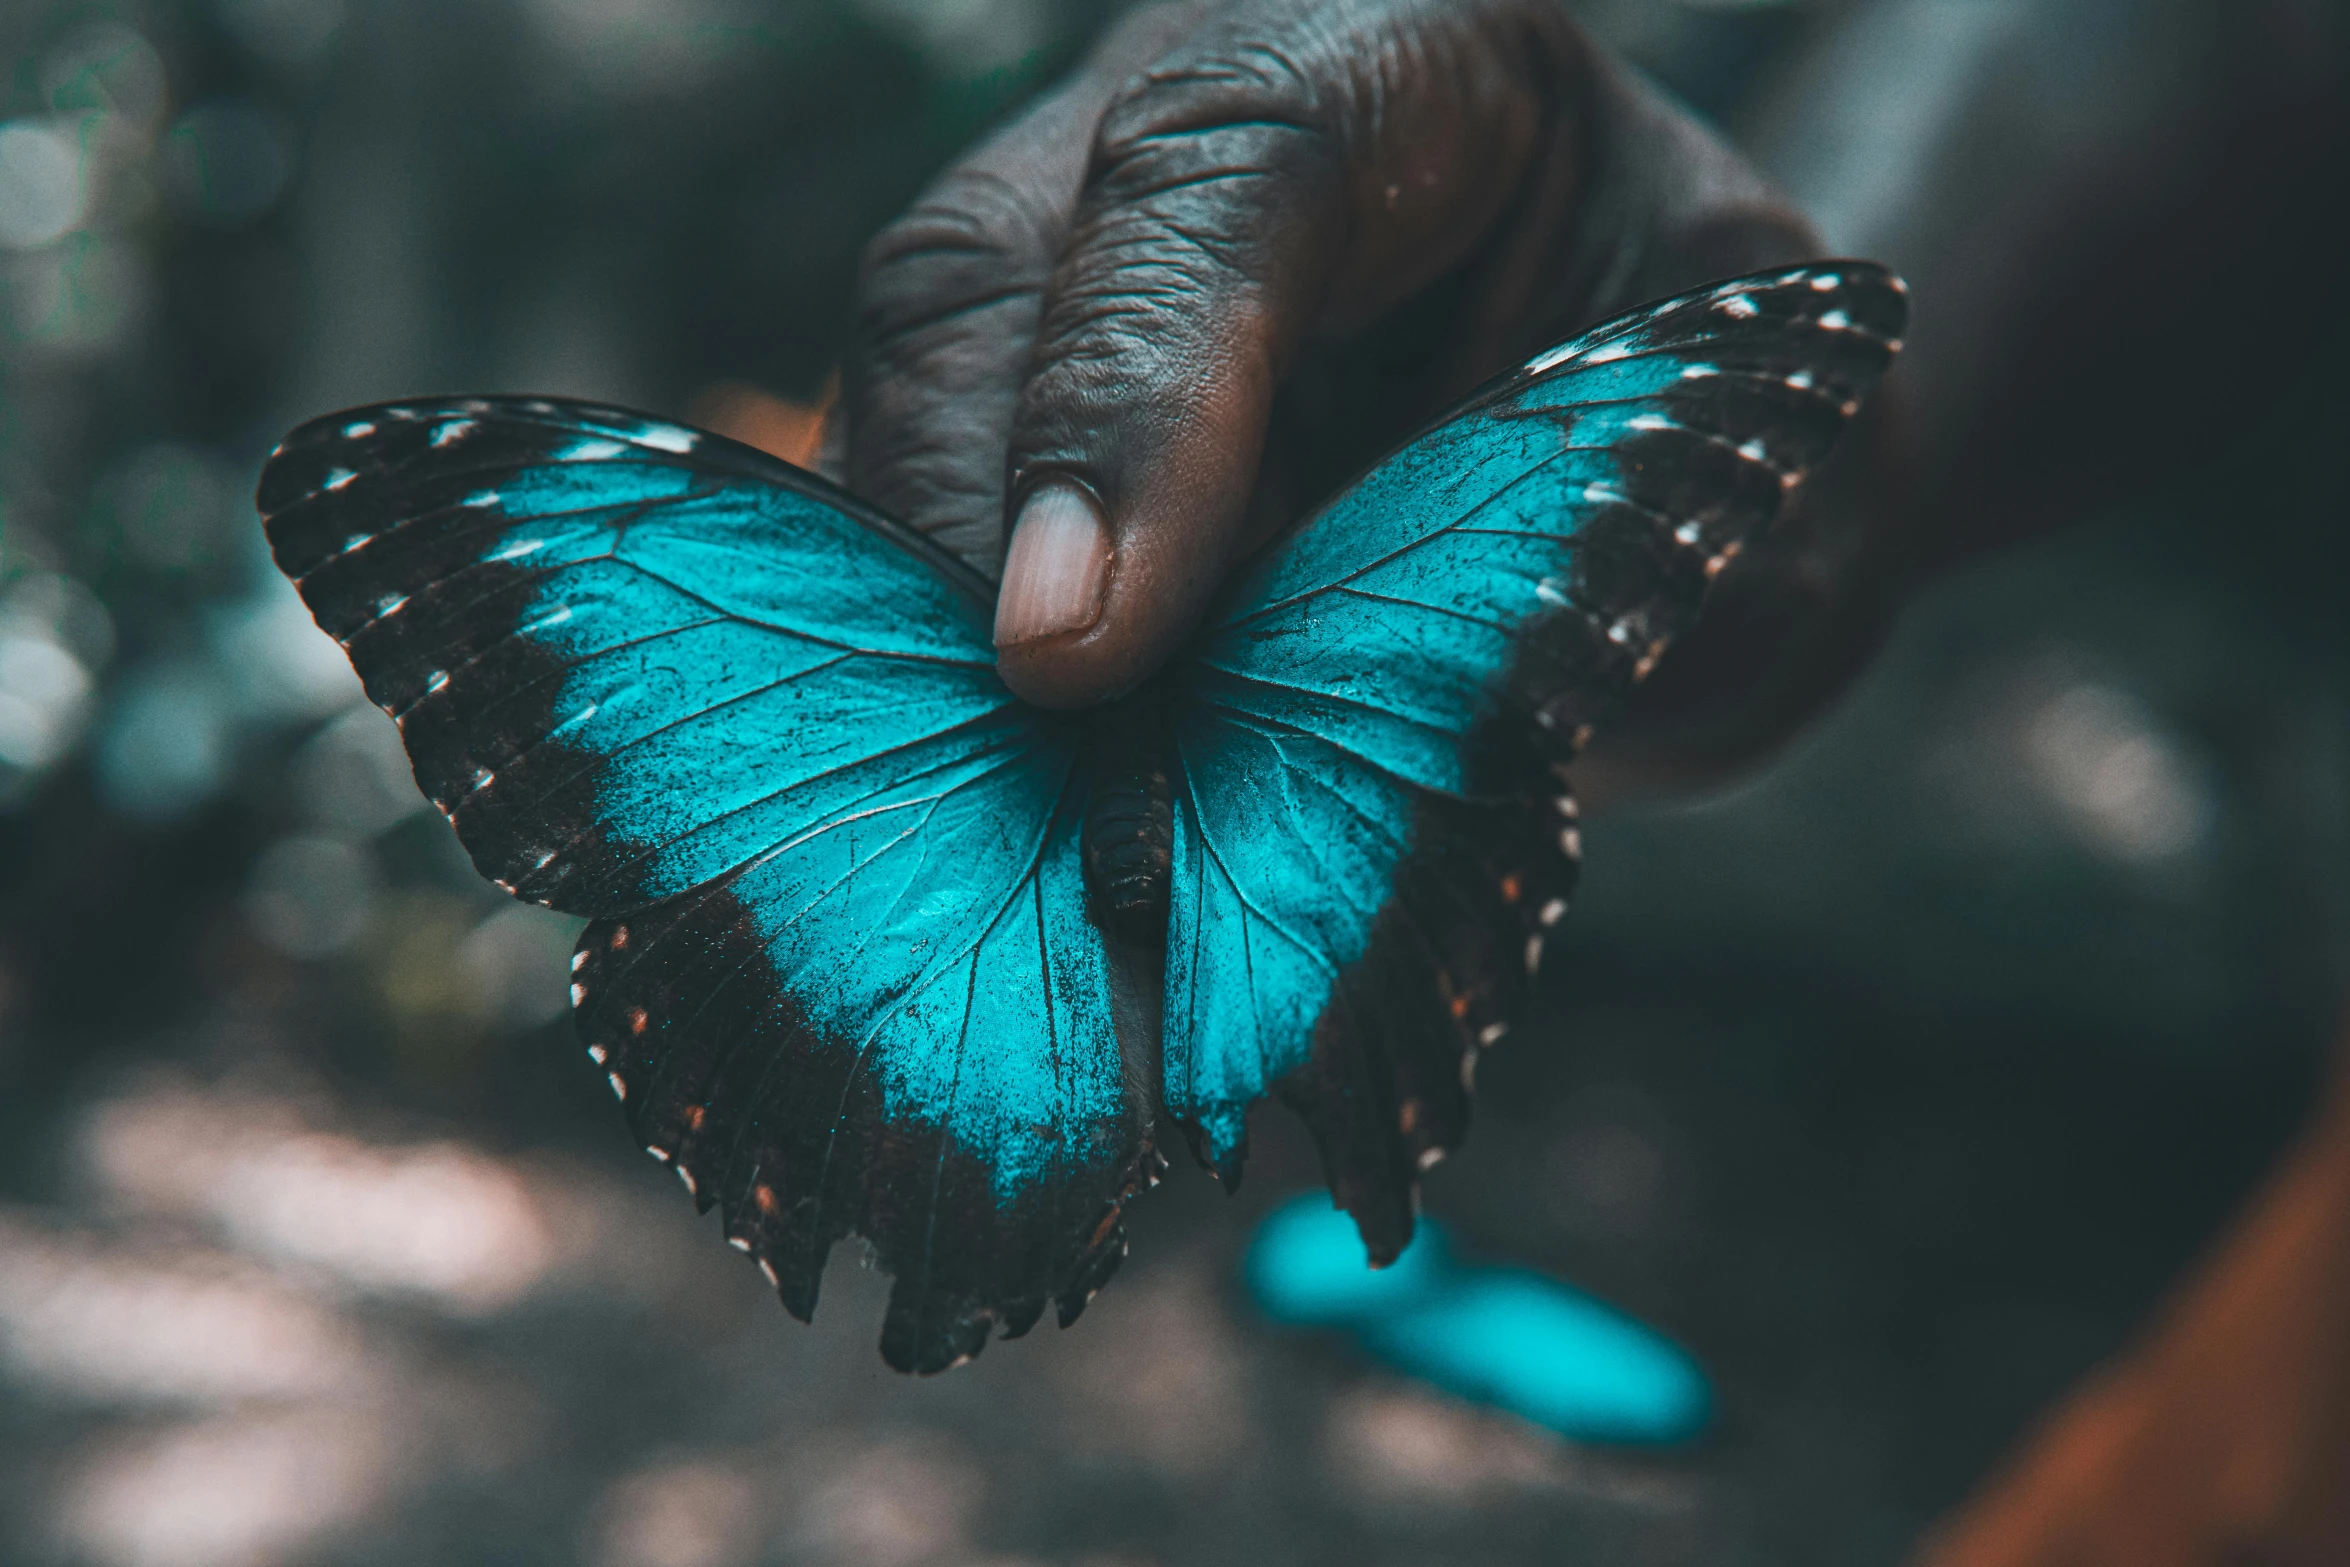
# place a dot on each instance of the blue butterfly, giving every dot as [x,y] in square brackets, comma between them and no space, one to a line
[877,948]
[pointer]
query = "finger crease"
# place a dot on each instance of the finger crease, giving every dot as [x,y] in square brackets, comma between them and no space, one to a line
[1186,182]
[893,330]
[1168,133]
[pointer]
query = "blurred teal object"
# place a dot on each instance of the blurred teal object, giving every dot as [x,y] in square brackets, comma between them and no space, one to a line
[1308,1267]
[1501,1336]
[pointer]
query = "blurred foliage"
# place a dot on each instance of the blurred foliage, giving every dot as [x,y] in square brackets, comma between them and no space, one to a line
[218,218]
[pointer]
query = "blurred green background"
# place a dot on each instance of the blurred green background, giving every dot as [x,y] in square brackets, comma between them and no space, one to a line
[1896,1083]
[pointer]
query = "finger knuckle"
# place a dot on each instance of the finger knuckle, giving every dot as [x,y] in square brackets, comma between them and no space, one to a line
[1245,108]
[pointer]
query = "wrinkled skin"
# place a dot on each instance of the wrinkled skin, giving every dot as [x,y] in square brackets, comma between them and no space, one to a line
[1244,249]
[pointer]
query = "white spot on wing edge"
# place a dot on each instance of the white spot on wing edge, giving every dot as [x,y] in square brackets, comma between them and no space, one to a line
[661,1154]
[619,1088]
[1836,321]
[598,1054]
[1553,911]
[1650,422]
[337,478]
[359,431]
[1492,1034]
[578,992]
[1533,953]
[578,961]
[1827,281]
[768,1268]
[452,432]
[667,438]
[1738,307]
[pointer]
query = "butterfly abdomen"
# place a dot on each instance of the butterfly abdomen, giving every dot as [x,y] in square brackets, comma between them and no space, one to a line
[1129,828]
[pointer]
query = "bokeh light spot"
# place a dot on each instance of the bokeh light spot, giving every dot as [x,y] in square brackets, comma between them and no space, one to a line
[519,960]
[281,667]
[435,1220]
[108,67]
[2129,786]
[310,896]
[82,296]
[98,1322]
[226,162]
[42,188]
[163,749]
[681,1514]
[353,775]
[230,1492]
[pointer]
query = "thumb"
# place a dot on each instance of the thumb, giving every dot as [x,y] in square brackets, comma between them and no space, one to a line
[1277,171]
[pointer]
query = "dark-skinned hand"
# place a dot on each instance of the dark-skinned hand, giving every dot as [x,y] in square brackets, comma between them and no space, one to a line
[1241,251]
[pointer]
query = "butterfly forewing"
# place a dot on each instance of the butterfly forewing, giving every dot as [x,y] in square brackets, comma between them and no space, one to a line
[1372,820]
[839,970]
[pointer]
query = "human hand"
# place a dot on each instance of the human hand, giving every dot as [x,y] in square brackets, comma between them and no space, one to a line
[1241,251]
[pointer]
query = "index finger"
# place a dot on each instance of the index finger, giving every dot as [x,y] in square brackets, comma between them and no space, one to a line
[948,302]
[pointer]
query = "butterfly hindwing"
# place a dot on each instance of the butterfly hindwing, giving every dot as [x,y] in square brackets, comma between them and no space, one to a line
[839,969]
[1371,834]
[982,1102]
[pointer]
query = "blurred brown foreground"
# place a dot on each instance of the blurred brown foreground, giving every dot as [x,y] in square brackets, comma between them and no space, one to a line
[2222,1438]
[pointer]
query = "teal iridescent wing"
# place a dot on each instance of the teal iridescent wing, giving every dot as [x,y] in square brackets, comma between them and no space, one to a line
[1372,834]
[840,969]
